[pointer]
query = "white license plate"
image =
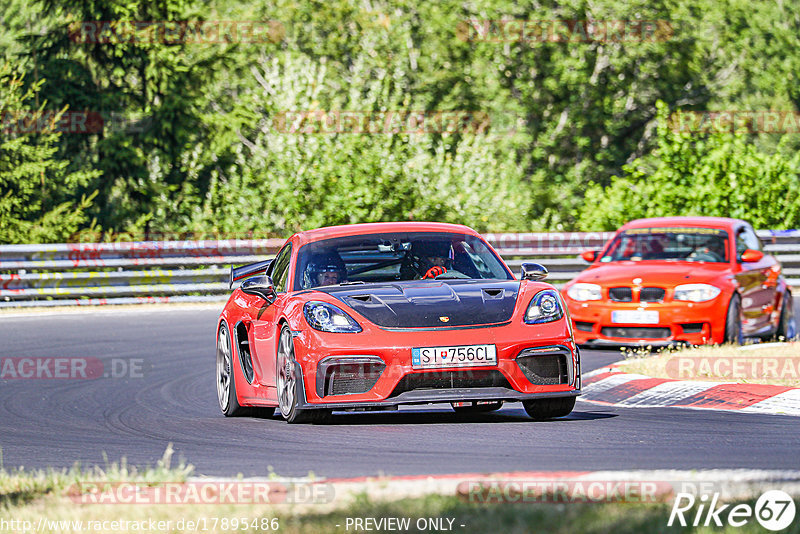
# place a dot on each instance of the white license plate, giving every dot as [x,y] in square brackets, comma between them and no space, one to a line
[464,356]
[634,316]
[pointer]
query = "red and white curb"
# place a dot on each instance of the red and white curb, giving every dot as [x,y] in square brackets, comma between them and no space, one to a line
[611,386]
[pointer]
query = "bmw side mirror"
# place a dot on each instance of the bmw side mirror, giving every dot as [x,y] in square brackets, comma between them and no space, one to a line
[261,286]
[589,256]
[533,271]
[751,255]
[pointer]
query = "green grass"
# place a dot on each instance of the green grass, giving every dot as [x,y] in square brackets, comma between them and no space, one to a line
[32,495]
[18,486]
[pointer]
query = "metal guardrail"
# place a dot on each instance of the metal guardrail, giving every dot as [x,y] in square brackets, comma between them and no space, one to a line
[89,274]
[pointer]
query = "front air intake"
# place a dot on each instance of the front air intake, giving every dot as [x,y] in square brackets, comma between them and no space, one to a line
[245,356]
[652,294]
[620,294]
[463,378]
[544,368]
[636,332]
[348,375]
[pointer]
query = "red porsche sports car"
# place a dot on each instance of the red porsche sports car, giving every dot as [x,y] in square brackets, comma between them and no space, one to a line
[372,316]
[695,280]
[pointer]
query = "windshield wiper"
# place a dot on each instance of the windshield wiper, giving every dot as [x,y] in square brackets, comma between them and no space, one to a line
[352,283]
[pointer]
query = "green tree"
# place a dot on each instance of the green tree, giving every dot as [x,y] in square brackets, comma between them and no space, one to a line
[719,174]
[39,197]
[150,90]
[286,180]
[187,138]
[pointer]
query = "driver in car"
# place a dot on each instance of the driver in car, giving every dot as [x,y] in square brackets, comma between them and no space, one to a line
[324,269]
[427,259]
[713,250]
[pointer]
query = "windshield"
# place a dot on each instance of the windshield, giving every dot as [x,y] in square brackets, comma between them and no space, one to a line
[676,244]
[396,256]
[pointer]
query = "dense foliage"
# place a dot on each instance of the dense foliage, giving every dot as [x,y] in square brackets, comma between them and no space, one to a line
[722,175]
[567,133]
[40,199]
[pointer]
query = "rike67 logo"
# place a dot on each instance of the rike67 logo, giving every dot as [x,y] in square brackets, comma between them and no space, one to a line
[774,510]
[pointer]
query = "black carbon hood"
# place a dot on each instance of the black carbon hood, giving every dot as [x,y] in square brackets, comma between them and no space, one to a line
[431,303]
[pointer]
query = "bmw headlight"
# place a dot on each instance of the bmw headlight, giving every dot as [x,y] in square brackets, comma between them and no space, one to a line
[584,292]
[696,292]
[329,318]
[545,307]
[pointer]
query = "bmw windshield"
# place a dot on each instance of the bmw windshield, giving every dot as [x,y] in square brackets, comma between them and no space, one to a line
[671,244]
[396,256]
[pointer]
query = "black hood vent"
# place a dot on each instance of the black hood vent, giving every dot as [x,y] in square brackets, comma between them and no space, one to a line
[431,303]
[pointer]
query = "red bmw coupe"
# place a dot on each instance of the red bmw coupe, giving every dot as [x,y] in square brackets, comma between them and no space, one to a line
[694,280]
[372,316]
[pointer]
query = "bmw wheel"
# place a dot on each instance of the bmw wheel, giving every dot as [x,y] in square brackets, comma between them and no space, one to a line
[226,384]
[733,322]
[787,325]
[289,387]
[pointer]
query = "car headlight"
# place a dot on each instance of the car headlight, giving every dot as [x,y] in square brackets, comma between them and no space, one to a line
[696,292]
[545,307]
[329,318]
[584,292]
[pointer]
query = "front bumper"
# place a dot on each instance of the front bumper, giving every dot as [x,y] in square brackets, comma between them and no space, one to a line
[504,381]
[443,396]
[695,323]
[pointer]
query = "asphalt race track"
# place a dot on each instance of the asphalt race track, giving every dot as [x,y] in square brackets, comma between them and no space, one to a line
[57,422]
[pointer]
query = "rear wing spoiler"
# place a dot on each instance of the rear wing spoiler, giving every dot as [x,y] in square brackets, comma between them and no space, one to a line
[237,273]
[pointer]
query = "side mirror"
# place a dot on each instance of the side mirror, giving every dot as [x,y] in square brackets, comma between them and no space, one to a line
[533,271]
[589,256]
[261,286]
[751,255]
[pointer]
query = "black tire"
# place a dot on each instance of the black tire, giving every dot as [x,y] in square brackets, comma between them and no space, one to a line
[288,385]
[733,322]
[787,324]
[543,409]
[226,381]
[478,408]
